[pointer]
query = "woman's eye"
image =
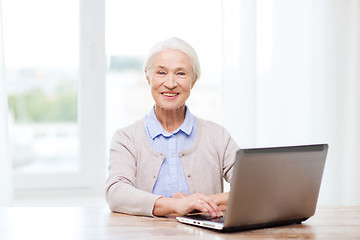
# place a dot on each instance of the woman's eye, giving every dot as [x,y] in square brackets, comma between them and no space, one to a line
[181,73]
[161,73]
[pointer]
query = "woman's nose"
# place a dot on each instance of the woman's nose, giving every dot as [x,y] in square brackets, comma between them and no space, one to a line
[171,82]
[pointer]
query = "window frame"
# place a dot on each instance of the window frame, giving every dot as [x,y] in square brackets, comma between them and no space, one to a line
[91,111]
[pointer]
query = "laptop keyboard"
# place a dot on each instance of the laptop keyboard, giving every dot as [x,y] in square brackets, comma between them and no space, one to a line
[217,219]
[207,217]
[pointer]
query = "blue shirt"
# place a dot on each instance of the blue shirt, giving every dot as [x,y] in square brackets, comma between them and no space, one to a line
[171,178]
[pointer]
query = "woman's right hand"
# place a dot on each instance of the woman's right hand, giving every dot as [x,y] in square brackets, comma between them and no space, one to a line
[185,204]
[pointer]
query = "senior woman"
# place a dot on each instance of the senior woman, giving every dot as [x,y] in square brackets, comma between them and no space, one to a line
[170,161]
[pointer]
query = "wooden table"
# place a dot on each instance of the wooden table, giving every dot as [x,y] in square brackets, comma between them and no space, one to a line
[100,223]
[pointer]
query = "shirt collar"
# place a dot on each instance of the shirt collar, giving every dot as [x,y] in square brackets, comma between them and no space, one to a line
[155,129]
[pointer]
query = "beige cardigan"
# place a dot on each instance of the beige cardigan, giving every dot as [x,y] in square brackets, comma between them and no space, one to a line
[134,166]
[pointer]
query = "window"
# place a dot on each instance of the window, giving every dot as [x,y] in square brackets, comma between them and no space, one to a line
[49,60]
[41,56]
[56,67]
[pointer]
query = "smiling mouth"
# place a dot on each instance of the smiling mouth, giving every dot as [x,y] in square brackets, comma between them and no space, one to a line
[170,94]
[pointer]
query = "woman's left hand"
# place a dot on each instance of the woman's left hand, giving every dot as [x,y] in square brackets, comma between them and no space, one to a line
[185,204]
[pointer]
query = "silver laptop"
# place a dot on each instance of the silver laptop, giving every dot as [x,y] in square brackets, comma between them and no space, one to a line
[270,187]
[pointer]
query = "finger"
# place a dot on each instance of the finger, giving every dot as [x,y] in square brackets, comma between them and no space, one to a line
[206,207]
[214,207]
[200,205]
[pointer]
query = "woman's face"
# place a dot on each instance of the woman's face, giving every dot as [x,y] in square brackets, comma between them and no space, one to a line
[171,79]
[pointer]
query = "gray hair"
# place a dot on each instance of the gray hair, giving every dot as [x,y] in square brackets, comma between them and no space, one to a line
[175,44]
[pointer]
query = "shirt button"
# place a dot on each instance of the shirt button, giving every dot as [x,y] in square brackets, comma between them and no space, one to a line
[189,175]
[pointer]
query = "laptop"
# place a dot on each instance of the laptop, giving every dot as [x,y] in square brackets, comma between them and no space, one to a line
[270,187]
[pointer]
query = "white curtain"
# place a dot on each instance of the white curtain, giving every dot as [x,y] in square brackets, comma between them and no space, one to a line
[306,86]
[337,74]
[5,165]
[239,70]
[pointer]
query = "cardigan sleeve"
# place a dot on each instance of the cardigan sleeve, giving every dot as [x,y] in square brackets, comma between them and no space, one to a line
[227,148]
[229,158]
[121,193]
[220,140]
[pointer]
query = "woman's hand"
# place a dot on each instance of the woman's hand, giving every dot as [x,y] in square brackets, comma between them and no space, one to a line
[183,204]
[179,195]
[221,200]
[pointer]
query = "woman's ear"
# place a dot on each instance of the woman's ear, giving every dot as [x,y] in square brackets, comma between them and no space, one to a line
[193,83]
[147,77]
